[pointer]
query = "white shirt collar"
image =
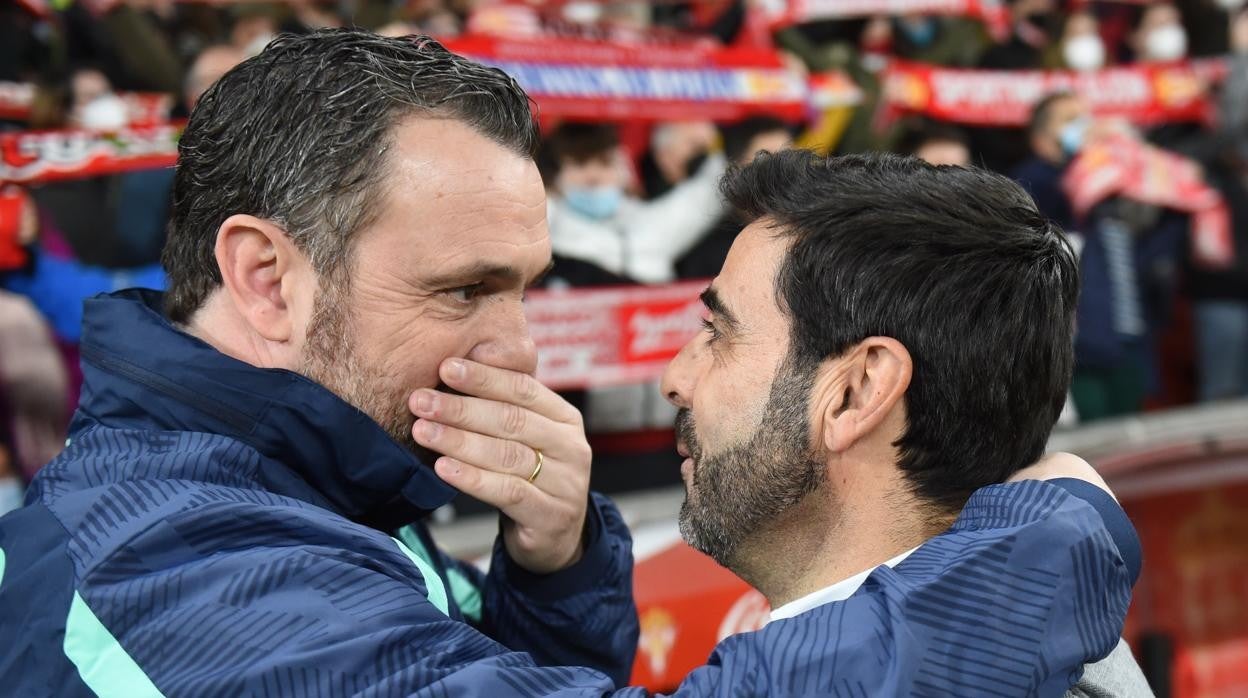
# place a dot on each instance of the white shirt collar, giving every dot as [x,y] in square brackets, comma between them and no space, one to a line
[837,592]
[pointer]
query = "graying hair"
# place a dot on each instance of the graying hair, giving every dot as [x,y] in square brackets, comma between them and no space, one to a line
[298,135]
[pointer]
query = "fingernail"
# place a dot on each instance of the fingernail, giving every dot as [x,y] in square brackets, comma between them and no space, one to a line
[426,401]
[429,430]
[455,369]
[448,466]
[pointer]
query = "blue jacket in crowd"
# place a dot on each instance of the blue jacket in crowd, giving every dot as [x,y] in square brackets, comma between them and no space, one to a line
[216,529]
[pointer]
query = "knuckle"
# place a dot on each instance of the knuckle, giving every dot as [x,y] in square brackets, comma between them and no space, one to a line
[513,491]
[583,454]
[454,407]
[514,420]
[484,380]
[525,388]
[513,458]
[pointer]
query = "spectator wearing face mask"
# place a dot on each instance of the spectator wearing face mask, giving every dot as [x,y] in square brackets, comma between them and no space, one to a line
[1080,47]
[1128,258]
[593,219]
[1159,36]
[599,232]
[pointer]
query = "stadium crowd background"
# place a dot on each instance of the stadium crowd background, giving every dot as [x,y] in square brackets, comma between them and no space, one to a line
[633,199]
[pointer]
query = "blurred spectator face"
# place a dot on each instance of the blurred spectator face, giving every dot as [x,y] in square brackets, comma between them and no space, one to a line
[594,187]
[251,33]
[209,66]
[441,23]
[93,105]
[918,30]
[942,152]
[1160,36]
[772,142]
[676,145]
[1082,48]
[1062,132]
[397,29]
[1239,32]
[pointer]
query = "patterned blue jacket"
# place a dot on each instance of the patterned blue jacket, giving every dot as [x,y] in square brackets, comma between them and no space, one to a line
[214,529]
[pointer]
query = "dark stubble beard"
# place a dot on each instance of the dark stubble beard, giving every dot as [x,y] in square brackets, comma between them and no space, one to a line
[331,358]
[738,492]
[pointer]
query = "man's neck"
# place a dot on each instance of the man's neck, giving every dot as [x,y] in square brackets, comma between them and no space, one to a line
[818,543]
[218,326]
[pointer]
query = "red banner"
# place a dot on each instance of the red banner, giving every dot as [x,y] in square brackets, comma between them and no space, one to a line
[1144,94]
[144,108]
[784,12]
[611,336]
[598,80]
[1120,165]
[44,156]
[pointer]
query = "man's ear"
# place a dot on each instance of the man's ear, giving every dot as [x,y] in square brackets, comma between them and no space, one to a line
[257,262]
[857,391]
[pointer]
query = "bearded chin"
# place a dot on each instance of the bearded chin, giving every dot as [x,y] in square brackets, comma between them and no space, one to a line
[330,358]
[735,496]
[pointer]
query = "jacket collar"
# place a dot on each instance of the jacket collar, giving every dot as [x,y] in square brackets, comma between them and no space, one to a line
[141,372]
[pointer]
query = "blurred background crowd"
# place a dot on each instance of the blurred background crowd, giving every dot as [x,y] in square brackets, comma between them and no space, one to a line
[1156,206]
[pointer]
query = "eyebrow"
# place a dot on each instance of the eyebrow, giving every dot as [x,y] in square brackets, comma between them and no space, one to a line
[715,304]
[487,270]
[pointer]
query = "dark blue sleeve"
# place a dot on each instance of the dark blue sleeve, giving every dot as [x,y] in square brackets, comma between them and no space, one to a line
[1024,589]
[1115,519]
[581,616]
[1014,599]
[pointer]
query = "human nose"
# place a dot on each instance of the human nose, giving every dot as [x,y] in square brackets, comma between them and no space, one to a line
[679,377]
[510,346]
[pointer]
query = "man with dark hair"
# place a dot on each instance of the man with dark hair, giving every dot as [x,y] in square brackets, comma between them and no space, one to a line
[343,347]
[885,339]
[355,221]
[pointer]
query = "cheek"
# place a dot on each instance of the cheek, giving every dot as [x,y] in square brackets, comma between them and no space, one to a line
[731,398]
[406,352]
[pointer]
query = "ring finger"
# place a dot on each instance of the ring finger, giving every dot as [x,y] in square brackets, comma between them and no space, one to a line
[487,452]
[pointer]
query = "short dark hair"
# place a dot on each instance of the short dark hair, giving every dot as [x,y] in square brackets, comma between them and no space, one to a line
[576,142]
[299,135]
[957,265]
[737,136]
[1042,112]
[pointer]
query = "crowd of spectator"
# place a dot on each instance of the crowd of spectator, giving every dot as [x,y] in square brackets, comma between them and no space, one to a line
[1156,326]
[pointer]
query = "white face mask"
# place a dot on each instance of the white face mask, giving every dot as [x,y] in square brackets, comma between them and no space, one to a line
[105,113]
[1167,43]
[1084,52]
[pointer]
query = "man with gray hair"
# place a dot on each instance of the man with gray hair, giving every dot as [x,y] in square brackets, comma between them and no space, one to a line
[343,347]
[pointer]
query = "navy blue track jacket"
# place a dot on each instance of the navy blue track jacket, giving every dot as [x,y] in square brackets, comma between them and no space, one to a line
[215,529]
